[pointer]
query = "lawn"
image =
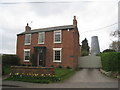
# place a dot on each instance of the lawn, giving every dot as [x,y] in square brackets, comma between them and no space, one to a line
[64,73]
[61,74]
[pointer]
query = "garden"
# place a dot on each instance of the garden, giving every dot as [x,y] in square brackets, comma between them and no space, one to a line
[60,73]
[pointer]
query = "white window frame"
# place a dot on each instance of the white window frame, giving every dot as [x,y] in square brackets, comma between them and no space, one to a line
[60,36]
[43,38]
[26,38]
[57,49]
[24,55]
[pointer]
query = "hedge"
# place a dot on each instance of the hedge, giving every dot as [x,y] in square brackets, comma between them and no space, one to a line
[9,59]
[84,53]
[111,61]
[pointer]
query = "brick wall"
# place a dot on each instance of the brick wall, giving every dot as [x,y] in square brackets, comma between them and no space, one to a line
[32,70]
[70,48]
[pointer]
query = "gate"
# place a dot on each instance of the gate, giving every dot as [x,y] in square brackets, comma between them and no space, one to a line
[90,62]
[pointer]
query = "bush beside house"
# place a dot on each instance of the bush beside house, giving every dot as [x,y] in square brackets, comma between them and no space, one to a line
[7,61]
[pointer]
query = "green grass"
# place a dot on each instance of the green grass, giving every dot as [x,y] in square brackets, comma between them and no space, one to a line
[64,73]
[61,74]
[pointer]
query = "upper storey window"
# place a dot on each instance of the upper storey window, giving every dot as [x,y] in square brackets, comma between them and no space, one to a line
[27,39]
[57,36]
[41,38]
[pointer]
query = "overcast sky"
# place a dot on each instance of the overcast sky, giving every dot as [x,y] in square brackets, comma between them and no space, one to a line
[95,18]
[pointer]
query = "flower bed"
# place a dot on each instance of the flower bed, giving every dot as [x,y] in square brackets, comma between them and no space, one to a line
[33,74]
[60,75]
[34,79]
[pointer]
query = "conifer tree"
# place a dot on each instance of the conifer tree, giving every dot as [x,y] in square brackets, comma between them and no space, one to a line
[85,48]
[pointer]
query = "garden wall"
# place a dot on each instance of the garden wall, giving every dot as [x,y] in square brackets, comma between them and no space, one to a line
[28,70]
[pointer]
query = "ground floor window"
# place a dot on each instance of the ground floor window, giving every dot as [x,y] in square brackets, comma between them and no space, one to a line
[57,54]
[27,55]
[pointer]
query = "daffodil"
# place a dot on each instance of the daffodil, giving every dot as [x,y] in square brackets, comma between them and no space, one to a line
[10,73]
[20,75]
[42,74]
[16,73]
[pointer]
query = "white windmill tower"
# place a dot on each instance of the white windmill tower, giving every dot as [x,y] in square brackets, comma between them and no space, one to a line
[95,49]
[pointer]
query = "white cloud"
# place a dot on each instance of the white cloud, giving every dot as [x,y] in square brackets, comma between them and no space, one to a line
[90,16]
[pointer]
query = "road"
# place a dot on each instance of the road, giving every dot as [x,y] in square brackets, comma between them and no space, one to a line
[84,78]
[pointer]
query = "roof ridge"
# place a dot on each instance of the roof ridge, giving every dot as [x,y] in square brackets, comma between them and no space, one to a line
[49,29]
[52,27]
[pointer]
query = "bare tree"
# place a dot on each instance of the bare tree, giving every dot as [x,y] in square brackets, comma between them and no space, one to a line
[115,44]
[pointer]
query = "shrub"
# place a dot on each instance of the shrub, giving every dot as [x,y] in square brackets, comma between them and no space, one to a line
[111,61]
[23,65]
[68,67]
[59,66]
[84,53]
[52,65]
[8,59]
[108,50]
[33,60]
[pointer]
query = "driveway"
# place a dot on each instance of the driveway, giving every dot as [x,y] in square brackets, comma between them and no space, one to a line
[84,78]
[90,61]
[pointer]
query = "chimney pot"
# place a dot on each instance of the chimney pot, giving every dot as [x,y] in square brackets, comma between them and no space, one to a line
[74,17]
[75,21]
[27,28]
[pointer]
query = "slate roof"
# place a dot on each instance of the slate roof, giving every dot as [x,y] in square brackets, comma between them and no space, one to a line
[48,29]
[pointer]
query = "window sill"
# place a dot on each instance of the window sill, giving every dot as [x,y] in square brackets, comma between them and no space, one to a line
[26,60]
[27,44]
[57,61]
[41,43]
[57,42]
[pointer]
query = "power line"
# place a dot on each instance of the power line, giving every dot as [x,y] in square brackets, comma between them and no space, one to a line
[101,28]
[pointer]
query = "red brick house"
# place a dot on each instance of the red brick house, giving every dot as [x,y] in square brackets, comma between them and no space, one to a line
[53,46]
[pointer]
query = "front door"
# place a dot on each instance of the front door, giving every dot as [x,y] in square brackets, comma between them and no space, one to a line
[40,53]
[40,57]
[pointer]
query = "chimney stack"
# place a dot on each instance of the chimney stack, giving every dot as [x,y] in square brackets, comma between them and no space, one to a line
[27,28]
[75,21]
